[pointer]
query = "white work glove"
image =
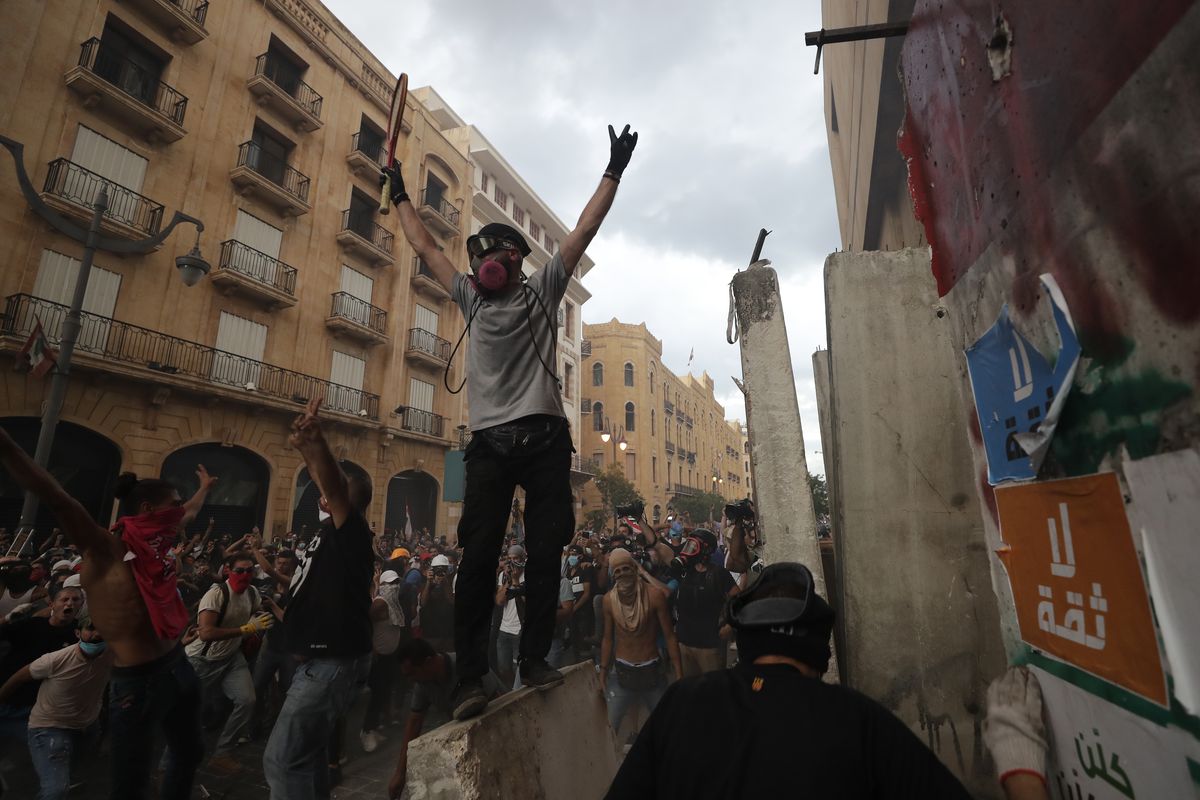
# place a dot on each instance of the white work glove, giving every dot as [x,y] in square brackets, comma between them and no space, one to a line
[1013,730]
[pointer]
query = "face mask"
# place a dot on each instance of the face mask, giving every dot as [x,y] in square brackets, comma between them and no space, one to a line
[239,583]
[573,560]
[492,275]
[92,649]
[323,515]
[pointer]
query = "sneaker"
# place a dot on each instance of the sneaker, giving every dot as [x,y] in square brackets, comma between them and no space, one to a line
[468,700]
[537,673]
[223,764]
[370,741]
[243,739]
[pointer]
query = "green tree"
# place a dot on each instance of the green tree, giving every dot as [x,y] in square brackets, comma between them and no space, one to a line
[820,494]
[700,507]
[597,519]
[615,490]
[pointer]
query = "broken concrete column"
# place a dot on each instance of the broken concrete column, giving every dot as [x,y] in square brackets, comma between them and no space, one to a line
[785,508]
[535,745]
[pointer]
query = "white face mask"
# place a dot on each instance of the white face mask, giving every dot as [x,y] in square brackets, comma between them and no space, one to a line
[323,515]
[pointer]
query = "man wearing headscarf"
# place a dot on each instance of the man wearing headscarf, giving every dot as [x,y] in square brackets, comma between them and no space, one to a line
[635,613]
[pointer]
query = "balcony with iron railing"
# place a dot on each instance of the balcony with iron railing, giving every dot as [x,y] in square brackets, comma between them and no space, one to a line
[182,20]
[112,83]
[684,490]
[427,423]
[246,271]
[585,348]
[438,212]
[275,84]
[688,421]
[271,179]
[366,154]
[668,407]
[424,281]
[427,348]
[583,465]
[354,317]
[670,447]
[72,189]
[361,235]
[140,353]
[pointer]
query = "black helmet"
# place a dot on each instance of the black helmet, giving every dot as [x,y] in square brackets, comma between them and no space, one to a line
[781,614]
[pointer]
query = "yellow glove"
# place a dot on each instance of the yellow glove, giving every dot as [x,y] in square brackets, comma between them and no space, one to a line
[258,624]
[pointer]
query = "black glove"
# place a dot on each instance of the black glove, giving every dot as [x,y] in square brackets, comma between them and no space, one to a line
[397,188]
[622,150]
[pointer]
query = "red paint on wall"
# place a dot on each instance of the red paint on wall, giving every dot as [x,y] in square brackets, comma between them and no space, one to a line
[980,151]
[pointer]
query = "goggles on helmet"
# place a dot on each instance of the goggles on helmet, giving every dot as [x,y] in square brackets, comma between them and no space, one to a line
[749,609]
[478,246]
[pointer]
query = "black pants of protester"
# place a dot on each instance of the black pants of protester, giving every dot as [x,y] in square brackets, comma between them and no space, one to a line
[158,699]
[380,681]
[549,523]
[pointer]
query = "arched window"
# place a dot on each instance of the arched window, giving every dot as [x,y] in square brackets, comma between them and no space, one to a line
[652,420]
[597,375]
[629,417]
[629,373]
[597,415]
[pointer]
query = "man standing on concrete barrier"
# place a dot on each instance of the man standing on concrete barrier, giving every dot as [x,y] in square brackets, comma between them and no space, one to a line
[784,730]
[521,436]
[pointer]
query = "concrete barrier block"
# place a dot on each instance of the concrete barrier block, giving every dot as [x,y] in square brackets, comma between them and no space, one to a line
[530,744]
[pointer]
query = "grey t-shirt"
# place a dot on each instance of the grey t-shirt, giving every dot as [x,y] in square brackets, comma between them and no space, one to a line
[505,377]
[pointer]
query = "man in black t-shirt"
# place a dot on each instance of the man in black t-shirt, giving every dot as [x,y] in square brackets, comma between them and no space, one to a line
[698,602]
[327,623]
[770,727]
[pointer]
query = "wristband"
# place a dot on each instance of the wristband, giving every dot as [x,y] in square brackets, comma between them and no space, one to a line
[612,175]
[400,198]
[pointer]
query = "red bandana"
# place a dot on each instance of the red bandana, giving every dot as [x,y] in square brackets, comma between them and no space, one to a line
[149,537]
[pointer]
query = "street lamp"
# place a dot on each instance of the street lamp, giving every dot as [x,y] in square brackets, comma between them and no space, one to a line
[615,435]
[192,267]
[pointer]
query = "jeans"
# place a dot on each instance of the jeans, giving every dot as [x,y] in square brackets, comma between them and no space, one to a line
[269,662]
[620,699]
[159,698]
[506,658]
[699,660]
[549,524]
[54,752]
[232,676]
[296,761]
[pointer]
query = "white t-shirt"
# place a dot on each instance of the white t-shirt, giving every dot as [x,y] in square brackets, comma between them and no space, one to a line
[241,608]
[511,621]
[72,688]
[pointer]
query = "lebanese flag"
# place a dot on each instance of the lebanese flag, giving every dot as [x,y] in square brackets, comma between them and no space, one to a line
[37,354]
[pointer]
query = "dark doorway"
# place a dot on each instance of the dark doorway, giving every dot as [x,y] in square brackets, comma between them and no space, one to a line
[83,461]
[412,495]
[304,502]
[238,501]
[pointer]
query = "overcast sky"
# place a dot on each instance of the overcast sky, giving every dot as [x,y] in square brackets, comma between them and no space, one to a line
[731,139]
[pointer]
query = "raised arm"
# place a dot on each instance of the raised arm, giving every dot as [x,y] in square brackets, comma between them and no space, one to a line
[82,531]
[577,241]
[322,466]
[423,243]
[192,507]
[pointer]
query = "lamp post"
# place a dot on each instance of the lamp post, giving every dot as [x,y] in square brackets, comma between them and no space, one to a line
[192,267]
[615,435]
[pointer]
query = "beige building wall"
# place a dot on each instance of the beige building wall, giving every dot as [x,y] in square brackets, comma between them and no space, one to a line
[169,391]
[679,442]
[864,109]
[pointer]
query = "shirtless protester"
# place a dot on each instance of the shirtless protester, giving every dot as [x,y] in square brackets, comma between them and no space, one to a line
[635,613]
[134,602]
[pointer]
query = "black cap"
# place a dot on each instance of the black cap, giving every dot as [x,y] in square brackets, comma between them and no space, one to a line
[499,230]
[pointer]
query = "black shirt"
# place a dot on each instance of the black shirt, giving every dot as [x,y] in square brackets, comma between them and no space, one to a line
[717,736]
[29,639]
[329,612]
[698,603]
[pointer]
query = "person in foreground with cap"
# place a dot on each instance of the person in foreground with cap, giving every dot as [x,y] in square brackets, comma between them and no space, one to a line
[521,436]
[389,623]
[437,605]
[783,732]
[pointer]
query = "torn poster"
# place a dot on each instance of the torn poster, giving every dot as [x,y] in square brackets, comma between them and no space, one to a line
[1165,491]
[1018,397]
[1076,581]
[1103,751]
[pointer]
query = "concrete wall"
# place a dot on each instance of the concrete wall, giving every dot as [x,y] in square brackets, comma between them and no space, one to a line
[920,622]
[535,745]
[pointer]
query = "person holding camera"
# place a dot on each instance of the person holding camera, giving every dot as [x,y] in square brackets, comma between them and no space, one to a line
[520,431]
[510,595]
[437,605]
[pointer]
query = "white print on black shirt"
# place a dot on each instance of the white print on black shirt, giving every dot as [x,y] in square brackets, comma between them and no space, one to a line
[305,564]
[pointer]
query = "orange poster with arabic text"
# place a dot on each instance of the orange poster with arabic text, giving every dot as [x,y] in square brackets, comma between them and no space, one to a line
[1077,582]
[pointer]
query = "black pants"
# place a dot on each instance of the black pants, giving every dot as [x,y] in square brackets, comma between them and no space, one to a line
[384,669]
[549,523]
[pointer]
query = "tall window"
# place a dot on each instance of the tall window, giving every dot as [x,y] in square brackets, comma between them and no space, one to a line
[652,422]
[518,214]
[597,416]
[597,375]
[654,473]
[483,182]
[535,230]
[631,466]
[629,417]
[569,320]
[629,373]
[568,379]
[501,198]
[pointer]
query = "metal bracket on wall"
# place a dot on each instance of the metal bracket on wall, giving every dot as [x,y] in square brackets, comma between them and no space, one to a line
[857,34]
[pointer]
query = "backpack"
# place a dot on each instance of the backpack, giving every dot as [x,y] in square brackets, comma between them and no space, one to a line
[255,600]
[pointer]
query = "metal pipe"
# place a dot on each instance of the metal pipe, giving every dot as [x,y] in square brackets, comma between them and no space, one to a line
[858,33]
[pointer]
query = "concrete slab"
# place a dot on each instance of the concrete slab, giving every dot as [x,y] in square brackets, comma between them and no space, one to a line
[536,745]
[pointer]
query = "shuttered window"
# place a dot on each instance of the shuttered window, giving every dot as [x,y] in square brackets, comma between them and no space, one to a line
[347,372]
[360,286]
[108,159]
[56,282]
[263,238]
[426,319]
[241,343]
[420,395]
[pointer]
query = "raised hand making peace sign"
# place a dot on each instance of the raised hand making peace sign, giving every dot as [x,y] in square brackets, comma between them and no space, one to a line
[306,428]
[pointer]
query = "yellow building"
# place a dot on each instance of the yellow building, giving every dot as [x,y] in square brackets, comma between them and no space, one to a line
[668,433]
[265,120]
